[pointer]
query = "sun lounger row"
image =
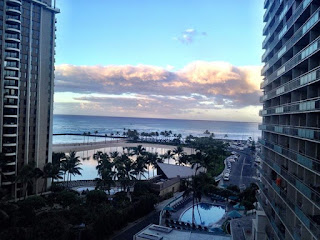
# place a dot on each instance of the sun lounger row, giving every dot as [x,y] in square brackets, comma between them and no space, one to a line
[181,203]
[184,226]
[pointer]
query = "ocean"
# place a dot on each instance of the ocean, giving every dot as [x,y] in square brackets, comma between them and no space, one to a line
[108,125]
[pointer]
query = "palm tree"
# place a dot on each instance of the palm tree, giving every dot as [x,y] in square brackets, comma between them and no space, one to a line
[125,170]
[179,152]
[84,137]
[140,166]
[95,138]
[56,158]
[88,134]
[71,165]
[153,159]
[50,171]
[139,150]
[97,155]
[114,155]
[168,155]
[104,168]
[27,175]
[104,163]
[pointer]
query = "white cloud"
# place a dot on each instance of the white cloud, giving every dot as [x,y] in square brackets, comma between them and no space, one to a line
[205,86]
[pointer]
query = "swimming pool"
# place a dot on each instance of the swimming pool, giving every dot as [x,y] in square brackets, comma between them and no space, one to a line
[204,213]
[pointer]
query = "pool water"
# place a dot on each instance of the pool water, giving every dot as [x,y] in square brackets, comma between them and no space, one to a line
[205,214]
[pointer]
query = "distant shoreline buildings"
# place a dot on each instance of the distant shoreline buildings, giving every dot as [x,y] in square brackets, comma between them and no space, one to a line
[27,83]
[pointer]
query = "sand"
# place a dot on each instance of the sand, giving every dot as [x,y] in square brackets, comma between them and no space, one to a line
[78,147]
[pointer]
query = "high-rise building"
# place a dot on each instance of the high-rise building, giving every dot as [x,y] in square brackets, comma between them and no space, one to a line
[290,171]
[27,41]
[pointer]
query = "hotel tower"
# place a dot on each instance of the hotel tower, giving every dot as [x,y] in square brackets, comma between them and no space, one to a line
[27,41]
[290,171]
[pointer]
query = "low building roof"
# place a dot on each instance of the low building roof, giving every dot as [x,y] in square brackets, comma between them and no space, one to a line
[172,171]
[156,232]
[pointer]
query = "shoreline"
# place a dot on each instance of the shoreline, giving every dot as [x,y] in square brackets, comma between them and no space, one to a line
[79,147]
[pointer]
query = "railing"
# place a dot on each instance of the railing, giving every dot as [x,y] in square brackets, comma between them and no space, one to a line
[277,20]
[303,160]
[268,213]
[300,9]
[16,17]
[299,132]
[288,45]
[295,181]
[308,51]
[301,81]
[306,220]
[302,106]
[267,12]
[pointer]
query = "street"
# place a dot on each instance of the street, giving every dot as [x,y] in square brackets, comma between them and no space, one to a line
[242,171]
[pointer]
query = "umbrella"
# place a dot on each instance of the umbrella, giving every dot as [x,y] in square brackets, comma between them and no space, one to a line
[234,214]
[234,198]
[238,207]
[217,230]
[168,208]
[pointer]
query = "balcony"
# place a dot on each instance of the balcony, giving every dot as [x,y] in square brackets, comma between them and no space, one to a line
[308,191]
[297,132]
[278,20]
[6,183]
[267,12]
[299,82]
[9,154]
[11,78]
[9,173]
[9,144]
[13,30]
[6,95]
[13,10]
[13,19]
[14,2]
[12,37]
[10,135]
[305,219]
[298,34]
[268,212]
[302,56]
[305,161]
[298,107]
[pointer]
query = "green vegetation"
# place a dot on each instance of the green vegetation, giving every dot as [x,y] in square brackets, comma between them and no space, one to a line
[66,215]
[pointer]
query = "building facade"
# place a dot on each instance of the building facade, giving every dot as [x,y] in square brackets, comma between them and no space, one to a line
[290,170]
[27,41]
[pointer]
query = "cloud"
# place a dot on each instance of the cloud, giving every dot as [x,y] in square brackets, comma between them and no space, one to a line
[199,86]
[188,36]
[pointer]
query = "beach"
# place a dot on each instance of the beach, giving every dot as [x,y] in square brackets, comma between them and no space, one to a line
[78,147]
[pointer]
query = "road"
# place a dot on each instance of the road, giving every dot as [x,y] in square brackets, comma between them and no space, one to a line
[242,171]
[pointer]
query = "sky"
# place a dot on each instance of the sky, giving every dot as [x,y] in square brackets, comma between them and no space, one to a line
[195,59]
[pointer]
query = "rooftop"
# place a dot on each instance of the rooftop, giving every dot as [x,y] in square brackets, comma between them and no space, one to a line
[173,171]
[156,232]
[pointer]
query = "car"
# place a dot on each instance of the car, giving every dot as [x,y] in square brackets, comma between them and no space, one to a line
[226,178]
[228,171]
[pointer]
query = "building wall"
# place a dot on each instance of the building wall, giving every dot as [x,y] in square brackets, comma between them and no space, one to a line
[290,172]
[35,21]
[172,188]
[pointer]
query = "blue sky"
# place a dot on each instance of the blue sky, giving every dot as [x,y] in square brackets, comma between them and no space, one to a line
[167,34]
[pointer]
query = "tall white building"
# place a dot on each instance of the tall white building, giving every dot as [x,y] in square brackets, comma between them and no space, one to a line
[27,42]
[290,172]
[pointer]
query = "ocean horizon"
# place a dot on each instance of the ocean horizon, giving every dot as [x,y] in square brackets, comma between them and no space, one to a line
[107,125]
